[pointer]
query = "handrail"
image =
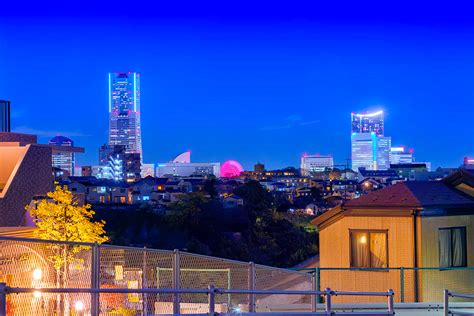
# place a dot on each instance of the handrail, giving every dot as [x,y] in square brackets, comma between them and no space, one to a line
[211,291]
[448,294]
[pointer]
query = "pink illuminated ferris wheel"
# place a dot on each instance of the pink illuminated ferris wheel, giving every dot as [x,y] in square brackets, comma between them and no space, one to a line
[231,169]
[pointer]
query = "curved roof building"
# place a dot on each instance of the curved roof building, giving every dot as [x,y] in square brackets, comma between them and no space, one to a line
[183,157]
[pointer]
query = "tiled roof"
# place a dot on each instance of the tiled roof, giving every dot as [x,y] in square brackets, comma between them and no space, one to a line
[413,194]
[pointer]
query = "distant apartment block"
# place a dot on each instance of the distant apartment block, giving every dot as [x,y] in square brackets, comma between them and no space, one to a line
[118,164]
[315,163]
[400,155]
[64,160]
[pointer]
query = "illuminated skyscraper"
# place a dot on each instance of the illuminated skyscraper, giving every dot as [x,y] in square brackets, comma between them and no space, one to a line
[370,151]
[370,148]
[4,116]
[368,123]
[124,111]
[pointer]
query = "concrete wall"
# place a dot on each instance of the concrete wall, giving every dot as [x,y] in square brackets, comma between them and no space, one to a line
[335,253]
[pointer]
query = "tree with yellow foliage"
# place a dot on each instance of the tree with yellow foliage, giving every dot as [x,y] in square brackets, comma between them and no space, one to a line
[61,217]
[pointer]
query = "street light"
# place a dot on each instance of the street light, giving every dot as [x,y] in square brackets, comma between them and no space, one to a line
[37,274]
[79,306]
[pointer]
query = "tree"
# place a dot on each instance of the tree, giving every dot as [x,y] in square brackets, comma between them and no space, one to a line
[62,218]
[210,187]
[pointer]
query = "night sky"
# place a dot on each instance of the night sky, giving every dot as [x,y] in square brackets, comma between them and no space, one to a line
[252,82]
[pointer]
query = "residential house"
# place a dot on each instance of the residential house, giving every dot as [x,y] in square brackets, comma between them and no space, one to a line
[414,225]
[232,201]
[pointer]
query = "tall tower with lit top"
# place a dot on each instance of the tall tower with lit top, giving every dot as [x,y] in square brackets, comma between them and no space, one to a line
[124,111]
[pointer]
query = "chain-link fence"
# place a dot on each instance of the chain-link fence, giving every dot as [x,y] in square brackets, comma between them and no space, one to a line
[32,263]
[423,284]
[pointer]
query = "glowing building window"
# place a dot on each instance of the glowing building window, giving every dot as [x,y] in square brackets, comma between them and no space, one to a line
[101,189]
[368,249]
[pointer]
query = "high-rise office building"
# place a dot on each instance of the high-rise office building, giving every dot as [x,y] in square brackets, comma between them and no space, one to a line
[5,116]
[370,151]
[63,160]
[315,163]
[370,148]
[383,144]
[368,123]
[124,111]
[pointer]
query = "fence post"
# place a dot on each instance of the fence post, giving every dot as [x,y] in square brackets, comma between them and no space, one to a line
[212,299]
[445,302]
[176,282]
[318,283]
[390,302]
[3,299]
[251,286]
[328,301]
[144,283]
[95,281]
[402,284]
[314,297]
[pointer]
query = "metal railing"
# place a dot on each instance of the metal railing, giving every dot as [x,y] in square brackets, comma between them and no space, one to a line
[101,267]
[212,292]
[447,310]
[412,284]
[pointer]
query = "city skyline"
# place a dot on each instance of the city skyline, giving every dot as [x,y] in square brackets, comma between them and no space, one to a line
[251,89]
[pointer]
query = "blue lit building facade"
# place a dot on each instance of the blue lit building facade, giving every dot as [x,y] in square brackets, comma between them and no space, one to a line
[124,111]
[368,123]
[370,149]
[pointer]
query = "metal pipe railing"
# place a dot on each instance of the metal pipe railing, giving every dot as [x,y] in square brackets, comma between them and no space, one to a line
[447,294]
[402,275]
[211,291]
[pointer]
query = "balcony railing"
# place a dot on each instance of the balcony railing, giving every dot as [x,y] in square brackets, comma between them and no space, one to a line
[412,284]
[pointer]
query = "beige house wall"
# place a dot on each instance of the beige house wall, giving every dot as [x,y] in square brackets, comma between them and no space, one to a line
[434,281]
[335,253]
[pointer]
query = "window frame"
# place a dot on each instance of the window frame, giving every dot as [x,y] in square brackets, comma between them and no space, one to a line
[368,231]
[451,255]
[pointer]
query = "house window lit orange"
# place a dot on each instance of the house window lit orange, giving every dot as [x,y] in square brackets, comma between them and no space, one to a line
[368,249]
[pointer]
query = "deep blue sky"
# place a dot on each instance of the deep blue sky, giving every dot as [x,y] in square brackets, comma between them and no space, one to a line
[253,82]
